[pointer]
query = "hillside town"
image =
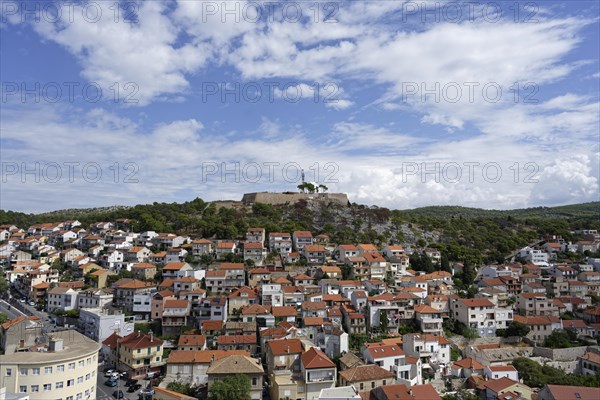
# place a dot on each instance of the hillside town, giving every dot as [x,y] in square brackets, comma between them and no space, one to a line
[100,311]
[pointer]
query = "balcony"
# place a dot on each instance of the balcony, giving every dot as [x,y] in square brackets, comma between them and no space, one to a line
[320,377]
[144,355]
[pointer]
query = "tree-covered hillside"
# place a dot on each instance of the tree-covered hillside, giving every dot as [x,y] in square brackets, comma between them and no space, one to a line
[465,234]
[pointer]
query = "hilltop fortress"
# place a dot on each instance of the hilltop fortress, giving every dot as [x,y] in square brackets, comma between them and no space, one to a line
[293,197]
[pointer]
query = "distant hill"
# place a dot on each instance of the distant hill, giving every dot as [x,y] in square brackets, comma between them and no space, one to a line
[462,233]
[582,210]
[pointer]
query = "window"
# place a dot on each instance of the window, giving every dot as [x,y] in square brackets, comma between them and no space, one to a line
[81,363]
[372,385]
[71,366]
[87,377]
[70,382]
[60,368]
[59,385]
[79,396]
[69,398]
[384,382]
[48,370]
[35,371]
[35,388]
[8,371]
[80,379]
[362,386]
[139,351]
[254,380]
[23,371]
[47,387]
[22,389]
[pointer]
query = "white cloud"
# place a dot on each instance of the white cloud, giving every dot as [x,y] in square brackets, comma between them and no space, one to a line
[374,165]
[142,53]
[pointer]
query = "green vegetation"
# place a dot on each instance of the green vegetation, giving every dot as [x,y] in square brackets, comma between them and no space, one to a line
[231,387]
[146,327]
[462,234]
[514,329]
[183,388]
[357,340]
[563,339]
[454,353]
[3,317]
[3,284]
[536,375]
[453,327]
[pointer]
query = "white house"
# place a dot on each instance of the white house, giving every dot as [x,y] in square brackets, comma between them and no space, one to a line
[501,371]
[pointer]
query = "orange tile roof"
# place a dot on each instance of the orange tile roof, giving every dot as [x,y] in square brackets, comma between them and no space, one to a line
[254,309]
[315,358]
[469,363]
[363,373]
[477,303]
[285,346]
[176,303]
[226,265]
[192,340]
[136,284]
[211,325]
[236,339]
[202,356]
[382,350]
[314,321]
[417,392]
[283,311]
[497,385]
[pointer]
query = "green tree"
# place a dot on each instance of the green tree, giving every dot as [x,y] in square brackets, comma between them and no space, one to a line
[3,317]
[206,259]
[384,321]
[357,340]
[445,264]
[561,339]
[3,286]
[231,387]
[517,329]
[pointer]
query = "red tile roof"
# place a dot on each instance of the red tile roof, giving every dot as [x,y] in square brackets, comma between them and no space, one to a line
[315,358]
[285,346]
[236,339]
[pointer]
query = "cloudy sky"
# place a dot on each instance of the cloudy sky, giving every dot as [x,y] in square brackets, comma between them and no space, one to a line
[399,104]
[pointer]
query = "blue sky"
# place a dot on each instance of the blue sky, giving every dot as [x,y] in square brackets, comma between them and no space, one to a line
[510,119]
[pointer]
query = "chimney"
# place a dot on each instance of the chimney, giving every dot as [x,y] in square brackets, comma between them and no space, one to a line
[212,359]
[139,333]
[151,336]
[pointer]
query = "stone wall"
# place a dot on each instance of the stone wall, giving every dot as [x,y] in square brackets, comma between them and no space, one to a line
[569,354]
[291,198]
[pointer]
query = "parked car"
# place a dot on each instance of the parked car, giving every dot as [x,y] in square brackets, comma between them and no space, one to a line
[131,382]
[108,373]
[118,394]
[111,383]
[134,388]
[32,303]
[22,300]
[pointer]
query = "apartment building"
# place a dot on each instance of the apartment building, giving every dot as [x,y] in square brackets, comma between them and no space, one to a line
[531,304]
[482,315]
[65,367]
